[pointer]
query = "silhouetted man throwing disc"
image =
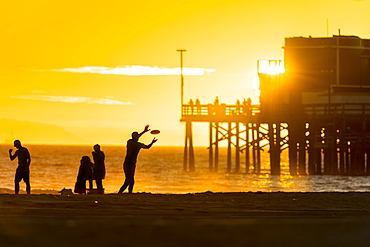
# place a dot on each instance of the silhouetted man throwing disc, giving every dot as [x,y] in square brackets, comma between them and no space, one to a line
[133,148]
[23,169]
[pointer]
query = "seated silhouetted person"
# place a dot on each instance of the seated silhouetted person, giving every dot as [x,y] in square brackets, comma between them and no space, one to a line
[84,173]
[133,148]
[23,169]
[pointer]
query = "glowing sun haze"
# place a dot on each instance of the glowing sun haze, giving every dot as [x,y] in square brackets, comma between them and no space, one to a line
[99,70]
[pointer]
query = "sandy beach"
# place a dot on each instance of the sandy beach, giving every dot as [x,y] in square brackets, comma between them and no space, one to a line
[200,219]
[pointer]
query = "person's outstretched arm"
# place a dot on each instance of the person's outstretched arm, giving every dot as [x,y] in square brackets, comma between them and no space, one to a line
[146,129]
[151,144]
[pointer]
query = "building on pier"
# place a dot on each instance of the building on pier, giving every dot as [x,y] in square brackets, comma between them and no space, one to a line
[316,103]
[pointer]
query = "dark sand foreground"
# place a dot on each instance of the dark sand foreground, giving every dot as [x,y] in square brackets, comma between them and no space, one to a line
[204,219]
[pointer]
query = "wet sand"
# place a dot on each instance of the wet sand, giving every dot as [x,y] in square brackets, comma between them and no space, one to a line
[202,219]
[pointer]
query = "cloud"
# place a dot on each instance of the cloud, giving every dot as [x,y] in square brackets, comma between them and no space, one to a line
[136,70]
[70,99]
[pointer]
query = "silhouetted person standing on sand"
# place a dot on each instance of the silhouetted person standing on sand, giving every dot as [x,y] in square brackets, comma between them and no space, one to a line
[23,169]
[133,148]
[98,168]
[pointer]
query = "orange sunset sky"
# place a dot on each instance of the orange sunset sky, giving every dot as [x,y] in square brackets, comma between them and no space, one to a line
[94,71]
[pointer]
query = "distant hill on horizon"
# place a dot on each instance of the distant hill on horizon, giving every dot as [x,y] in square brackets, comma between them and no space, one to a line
[37,133]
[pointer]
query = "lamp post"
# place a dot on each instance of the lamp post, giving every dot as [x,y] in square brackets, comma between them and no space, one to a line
[181,75]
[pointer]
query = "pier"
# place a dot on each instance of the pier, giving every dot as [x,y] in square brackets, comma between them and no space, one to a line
[315,103]
[235,124]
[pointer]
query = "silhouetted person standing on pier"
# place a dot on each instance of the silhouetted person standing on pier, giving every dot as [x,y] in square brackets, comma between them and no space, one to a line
[23,169]
[133,148]
[98,168]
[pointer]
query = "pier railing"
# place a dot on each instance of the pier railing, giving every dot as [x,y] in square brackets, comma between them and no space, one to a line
[204,111]
[221,110]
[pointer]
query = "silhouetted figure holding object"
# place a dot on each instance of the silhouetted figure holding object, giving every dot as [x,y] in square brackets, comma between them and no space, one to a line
[23,169]
[98,168]
[129,165]
[84,173]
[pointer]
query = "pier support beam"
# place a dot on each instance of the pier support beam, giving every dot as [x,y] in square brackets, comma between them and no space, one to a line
[216,146]
[302,150]
[311,149]
[189,149]
[229,134]
[274,140]
[210,158]
[342,149]
[247,154]
[257,148]
[292,148]
[237,148]
[254,153]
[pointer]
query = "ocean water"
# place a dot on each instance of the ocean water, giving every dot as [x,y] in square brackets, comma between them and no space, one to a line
[160,170]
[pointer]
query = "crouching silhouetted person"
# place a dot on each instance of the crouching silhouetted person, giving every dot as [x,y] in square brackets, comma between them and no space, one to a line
[23,169]
[84,173]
